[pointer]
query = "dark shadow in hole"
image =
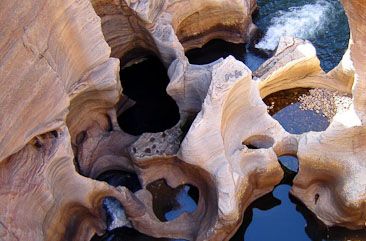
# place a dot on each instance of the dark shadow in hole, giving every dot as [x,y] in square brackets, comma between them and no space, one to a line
[259,142]
[217,48]
[112,207]
[214,50]
[169,203]
[126,234]
[154,111]
[286,209]
[318,231]
[121,178]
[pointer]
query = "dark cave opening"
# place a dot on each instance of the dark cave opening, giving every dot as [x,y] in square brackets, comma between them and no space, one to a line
[145,83]
[218,48]
[121,178]
[214,50]
[280,216]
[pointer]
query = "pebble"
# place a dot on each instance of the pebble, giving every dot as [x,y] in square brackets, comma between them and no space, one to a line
[325,101]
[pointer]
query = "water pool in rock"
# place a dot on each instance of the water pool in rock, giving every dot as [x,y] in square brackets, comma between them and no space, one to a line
[286,110]
[278,216]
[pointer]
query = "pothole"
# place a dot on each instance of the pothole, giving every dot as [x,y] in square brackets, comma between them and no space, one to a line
[285,107]
[121,178]
[280,216]
[115,215]
[154,110]
[214,50]
[217,48]
[169,203]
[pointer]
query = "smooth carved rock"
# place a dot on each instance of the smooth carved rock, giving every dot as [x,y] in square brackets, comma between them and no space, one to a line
[332,176]
[44,198]
[228,174]
[55,72]
[331,179]
[60,90]
[227,124]
[294,65]
[132,28]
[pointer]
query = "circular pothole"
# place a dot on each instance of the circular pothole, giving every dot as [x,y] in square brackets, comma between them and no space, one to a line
[169,203]
[154,110]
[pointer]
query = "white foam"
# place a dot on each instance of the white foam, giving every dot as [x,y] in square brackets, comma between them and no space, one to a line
[302,22]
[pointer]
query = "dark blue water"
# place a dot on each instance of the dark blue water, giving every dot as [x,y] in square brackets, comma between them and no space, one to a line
[169,203]
[278,216]
[281,222]
[286,110]
[323,22]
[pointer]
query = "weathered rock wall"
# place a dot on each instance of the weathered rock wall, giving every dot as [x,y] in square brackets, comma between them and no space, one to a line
[58,119]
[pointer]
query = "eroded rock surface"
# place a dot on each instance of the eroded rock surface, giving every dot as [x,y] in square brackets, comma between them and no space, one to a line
[61,95]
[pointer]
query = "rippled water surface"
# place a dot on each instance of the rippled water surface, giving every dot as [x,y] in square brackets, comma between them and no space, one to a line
[323,22]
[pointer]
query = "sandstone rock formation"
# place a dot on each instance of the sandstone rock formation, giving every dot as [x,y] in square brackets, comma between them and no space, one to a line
[61,95]
[332,181]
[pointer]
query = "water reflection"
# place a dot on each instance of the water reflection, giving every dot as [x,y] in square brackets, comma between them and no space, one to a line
[169,203]
[278,216]
[282,222]
[286,110]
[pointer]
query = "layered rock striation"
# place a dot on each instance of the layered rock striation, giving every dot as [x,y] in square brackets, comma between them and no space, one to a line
[61,94]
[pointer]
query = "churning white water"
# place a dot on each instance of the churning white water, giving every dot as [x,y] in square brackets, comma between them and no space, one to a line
[302,22]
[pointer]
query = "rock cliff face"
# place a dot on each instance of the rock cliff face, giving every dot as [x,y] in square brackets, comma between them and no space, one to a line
[61,92]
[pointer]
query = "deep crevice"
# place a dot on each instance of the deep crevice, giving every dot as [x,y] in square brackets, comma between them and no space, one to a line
[145,83]
[121,178]
[214,50]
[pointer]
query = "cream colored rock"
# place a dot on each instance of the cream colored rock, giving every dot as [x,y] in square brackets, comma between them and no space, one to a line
[294,65]
[59,89]
[331,180]
[167,28]
[59,92]
[227,126]
[55,71]
[332,176]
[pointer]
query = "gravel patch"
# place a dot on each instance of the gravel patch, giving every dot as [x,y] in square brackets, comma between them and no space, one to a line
[325,102]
